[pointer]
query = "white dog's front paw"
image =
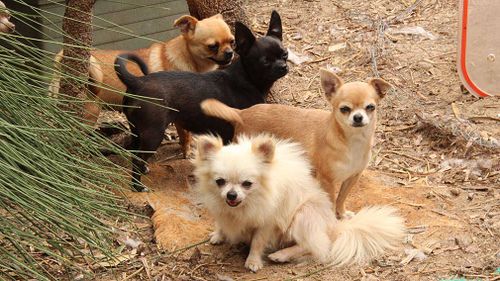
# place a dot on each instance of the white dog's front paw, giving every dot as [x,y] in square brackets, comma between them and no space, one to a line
[279,256]
[254,264]
[216,238]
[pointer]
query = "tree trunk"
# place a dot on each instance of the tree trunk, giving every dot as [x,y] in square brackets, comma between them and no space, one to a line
[77,27]
[231,10]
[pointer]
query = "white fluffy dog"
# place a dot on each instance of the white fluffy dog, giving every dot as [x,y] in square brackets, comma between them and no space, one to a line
[261,191]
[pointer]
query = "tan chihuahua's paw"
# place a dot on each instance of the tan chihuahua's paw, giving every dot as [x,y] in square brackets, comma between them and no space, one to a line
[216,238]
[344,214]
[348,215]
[254,264]
[279,256]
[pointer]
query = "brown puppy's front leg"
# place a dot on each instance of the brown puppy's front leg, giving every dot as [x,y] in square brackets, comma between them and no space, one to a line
[184,140]
[346,187]
[259,242]
[91,112]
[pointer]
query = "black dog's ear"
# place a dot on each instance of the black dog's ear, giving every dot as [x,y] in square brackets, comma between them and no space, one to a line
[275,28]
[244,38]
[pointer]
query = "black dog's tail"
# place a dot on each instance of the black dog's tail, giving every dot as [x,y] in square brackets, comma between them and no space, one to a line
[121,70]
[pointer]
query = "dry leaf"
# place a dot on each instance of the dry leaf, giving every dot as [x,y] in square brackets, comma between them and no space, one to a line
[117,260]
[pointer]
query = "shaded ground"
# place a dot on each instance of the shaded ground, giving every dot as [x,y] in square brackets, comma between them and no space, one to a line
[436,157]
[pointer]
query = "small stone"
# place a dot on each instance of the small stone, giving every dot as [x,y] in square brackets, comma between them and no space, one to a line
[425,65]
[455,191]
[297,36]
[470,195]
[221,277]
[337,47]
[369,277]
[463,242]
[353,272]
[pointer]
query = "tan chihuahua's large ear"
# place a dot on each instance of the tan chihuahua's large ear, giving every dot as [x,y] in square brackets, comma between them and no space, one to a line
[207,145]
[263,146]
[380,86]
[330,82]
[186,23]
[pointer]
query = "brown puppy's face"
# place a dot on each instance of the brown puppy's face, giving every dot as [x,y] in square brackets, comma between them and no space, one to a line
[354,104]
[209,39]
[5,25]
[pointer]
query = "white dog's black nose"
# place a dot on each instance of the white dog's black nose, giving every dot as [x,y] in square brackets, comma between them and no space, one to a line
[232,195]
[358,118]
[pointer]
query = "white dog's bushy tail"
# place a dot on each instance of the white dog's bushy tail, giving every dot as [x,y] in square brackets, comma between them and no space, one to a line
[215,108]
[368,234]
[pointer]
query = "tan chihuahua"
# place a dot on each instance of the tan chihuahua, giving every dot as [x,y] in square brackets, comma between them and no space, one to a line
[338,142]
[202,46]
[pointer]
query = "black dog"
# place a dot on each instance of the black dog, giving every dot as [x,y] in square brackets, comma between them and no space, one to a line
[244,83]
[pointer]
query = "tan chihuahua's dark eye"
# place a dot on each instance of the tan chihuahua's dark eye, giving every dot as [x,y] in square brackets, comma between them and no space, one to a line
[345,109]
[370,107]
[220,182]
[213,47]
[231,42]
[246,184]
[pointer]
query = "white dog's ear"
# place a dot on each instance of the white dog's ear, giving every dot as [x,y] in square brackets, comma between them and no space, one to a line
[330,82]
[264,146]
[207,145]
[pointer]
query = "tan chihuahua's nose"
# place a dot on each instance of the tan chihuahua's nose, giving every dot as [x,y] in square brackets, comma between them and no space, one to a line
[358,118]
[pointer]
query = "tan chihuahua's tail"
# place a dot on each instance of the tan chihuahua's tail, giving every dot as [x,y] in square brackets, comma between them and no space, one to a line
[215,108]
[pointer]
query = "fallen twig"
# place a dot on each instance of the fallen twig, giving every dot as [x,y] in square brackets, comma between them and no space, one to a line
[189,246]
[310,273]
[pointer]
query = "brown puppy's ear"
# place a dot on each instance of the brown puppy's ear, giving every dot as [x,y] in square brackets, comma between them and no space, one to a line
[207,145]
[244,38]
[217,16]
[186,23]
[330,82]
[264,146]
[275,29]
[380,86]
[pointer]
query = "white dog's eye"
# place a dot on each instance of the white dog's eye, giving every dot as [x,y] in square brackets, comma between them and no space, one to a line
[247,184]
[220,182]
[370,107]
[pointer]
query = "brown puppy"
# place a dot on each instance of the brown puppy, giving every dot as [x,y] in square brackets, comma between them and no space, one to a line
[338,142]
[202,46]
[6,26]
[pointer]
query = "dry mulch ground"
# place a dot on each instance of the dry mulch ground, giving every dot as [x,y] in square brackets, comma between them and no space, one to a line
[436,156]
